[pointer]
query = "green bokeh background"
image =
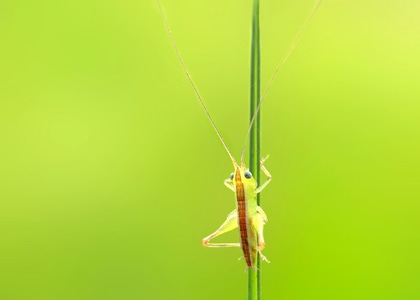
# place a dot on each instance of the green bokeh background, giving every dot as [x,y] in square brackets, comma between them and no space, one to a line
[110,174]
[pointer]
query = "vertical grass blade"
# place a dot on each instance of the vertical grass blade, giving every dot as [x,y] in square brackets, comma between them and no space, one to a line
[254,275]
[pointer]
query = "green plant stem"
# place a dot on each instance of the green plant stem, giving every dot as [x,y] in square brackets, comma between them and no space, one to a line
[254,275]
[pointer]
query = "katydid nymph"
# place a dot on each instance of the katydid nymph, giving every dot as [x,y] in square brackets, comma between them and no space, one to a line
[248,216]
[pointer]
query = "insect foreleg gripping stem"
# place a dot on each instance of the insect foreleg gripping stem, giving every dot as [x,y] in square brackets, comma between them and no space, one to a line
[264,169]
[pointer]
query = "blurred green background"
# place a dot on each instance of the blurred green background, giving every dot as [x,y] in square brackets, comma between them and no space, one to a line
[110,174]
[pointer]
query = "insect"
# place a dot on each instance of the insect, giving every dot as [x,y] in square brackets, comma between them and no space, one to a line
[248,216]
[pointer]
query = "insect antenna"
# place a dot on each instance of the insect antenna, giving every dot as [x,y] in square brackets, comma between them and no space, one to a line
[279,65]
[178,54]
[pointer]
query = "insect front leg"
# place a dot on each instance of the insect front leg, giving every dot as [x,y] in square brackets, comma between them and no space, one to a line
[229,184]
[230,224]
[264,169]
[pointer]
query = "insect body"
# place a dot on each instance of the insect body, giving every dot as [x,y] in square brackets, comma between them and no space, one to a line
[248,216]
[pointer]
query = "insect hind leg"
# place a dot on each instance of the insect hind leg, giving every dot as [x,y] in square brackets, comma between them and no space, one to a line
[229,224]
[259,221]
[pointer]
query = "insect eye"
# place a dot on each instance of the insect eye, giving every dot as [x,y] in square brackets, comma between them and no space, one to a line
[248,175]
[231,176]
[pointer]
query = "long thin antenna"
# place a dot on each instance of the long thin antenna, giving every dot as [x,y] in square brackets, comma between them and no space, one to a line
[178,54]
[280,64]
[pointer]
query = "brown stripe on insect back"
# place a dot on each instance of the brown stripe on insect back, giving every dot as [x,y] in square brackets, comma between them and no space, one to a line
[242,217]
